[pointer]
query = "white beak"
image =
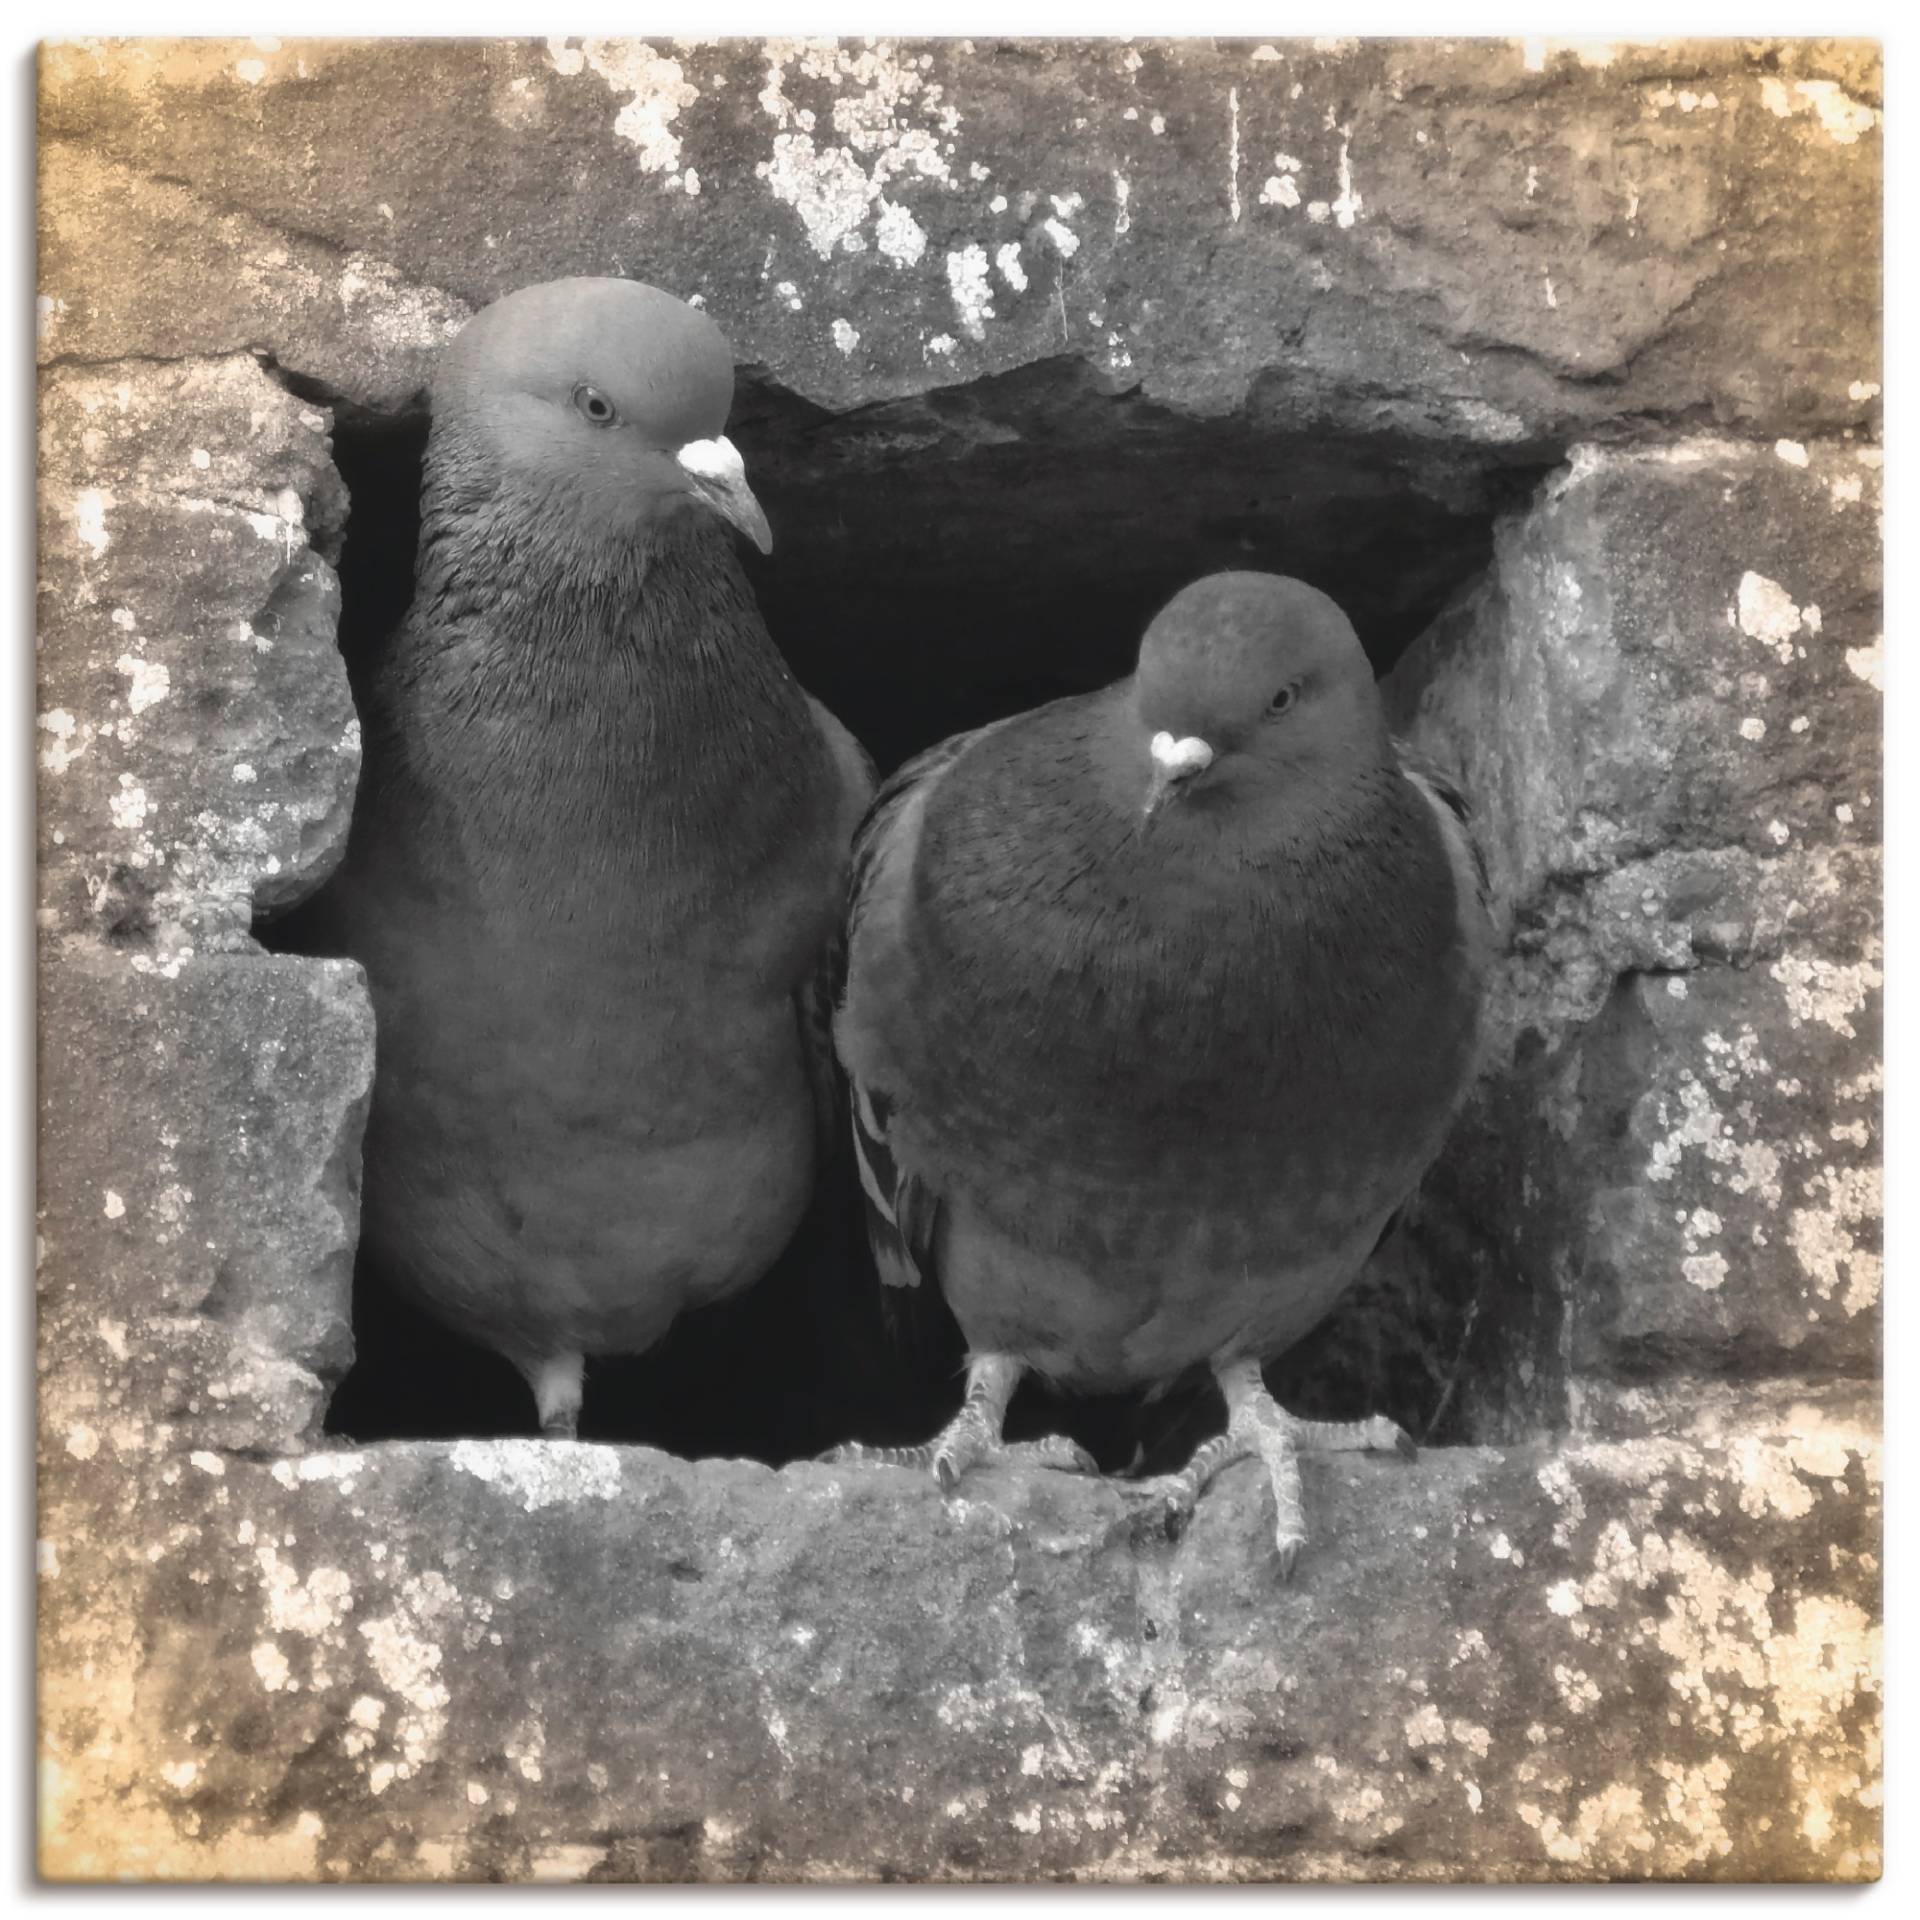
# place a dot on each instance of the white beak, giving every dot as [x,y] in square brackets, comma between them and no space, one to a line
[720,480]
[1174,762]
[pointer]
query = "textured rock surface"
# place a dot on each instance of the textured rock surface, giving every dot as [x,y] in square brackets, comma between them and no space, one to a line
[1477,240]
[1393,315]
[197,743]
[1186,304]
[1666,698]
[1632,1659]
[200,1126]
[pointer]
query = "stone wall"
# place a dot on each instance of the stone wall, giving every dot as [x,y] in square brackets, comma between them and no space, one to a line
[1559,366]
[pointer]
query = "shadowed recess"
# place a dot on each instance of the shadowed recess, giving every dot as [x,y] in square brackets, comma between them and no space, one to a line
[939,562]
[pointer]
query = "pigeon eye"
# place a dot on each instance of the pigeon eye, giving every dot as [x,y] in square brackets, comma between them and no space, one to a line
[594,406]
[1282,700]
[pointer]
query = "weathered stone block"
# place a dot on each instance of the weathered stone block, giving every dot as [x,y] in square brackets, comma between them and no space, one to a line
[1675,756]
[1733,1177]
[200,1149]
[1466,239]
[1675,651]
[1637,1659]
[197,741]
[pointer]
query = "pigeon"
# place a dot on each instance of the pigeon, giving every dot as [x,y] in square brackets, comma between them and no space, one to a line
[597,866]
[1160,1001]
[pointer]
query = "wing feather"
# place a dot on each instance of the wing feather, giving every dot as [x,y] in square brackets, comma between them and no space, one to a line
[903,1211]
[1454,813]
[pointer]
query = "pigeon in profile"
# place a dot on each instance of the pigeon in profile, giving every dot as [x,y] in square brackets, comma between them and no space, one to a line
[598,863]
[1160,1001]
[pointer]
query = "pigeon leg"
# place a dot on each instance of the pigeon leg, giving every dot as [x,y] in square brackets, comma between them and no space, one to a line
[1257,1425]
[1257,1421]
[973,1434]
[556,1384]
[1276,1436]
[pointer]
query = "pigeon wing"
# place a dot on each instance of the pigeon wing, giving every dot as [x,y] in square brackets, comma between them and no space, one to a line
[820,992]
[1455,816]
[903,1211]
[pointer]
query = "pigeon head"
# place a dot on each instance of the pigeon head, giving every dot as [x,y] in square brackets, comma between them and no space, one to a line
[1250,681]
[604,400]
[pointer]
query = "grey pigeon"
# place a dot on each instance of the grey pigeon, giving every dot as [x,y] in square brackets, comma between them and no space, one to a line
[598,863]
[1160,1001]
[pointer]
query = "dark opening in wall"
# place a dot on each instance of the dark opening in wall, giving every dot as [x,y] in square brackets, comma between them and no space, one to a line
[939,562]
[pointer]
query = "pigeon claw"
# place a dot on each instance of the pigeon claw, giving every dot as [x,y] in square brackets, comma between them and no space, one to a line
[1287,1555]
[1056,1450]
[1403,1444]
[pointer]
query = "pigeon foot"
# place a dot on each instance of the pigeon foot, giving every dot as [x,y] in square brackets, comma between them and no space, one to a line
[953,1451]
[1053,1450]
[972,1437]
[1258,1426]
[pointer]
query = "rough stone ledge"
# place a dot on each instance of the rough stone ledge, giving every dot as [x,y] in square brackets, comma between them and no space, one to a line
[1644,1658]
[1515,238]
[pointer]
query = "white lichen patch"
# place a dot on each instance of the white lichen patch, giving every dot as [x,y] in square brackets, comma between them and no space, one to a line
[148,682]
[1827,991]
[657,91]
[898,235]
[1791,451]
[270,1667]
[90,508]
[1425,1727]
[68,739]
[1843,118]
[538,1475]
[1868,663]
[315,1606]
[968,285]
[1766,612]
[1779,1474]
[1347,205]
[846,336]
[406,1655]
[1281,188]
[1823,1241]
[892,122]
[1578,1694]
[1737,1675]
[1707,1271]
[1694,1801]
[342,1469]
[1007,260]
[1066,242]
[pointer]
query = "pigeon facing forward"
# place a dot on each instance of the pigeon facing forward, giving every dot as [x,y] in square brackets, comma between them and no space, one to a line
[598,861]
[1160,1001]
